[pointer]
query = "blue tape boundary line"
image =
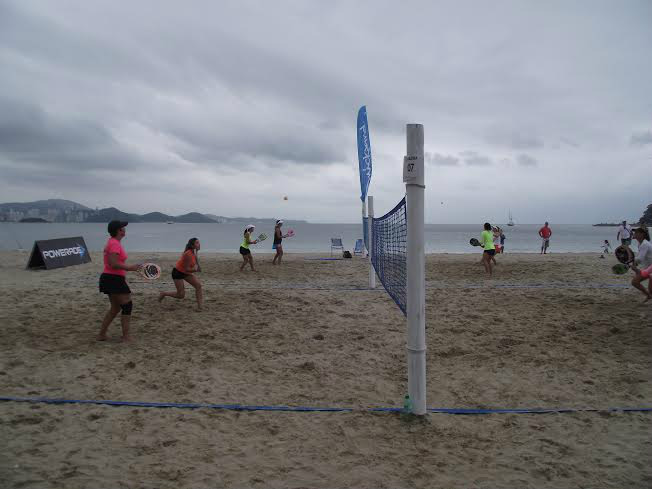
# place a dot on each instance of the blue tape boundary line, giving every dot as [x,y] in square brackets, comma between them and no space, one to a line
[241,407]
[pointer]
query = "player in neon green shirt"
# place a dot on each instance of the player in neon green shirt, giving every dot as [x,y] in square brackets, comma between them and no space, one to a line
[487,242]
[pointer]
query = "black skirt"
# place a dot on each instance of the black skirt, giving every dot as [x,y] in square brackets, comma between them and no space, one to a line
[113,284]
[244,251]
[177,275]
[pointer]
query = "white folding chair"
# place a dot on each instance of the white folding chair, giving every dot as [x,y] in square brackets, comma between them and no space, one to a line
[336,243]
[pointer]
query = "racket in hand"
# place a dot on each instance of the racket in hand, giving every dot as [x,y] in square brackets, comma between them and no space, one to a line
[474,242]
[624,255]
[261,237]
[150,271]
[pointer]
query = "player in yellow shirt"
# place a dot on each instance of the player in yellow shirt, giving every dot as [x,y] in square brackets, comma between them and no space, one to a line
[487,242]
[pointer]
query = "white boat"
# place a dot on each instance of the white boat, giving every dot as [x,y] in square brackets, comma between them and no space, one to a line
[511,220]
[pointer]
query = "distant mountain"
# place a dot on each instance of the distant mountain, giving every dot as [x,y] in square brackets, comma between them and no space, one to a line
[111,214]
[59,210]
[44,205]
[193,217]
[156,217]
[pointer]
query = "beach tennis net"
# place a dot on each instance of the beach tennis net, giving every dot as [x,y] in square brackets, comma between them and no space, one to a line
[389,253]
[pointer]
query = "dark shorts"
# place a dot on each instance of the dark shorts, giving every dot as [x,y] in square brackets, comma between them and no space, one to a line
[626,242]
[177,275]
[276,246]
[490,252]
[244,251]
[113,284]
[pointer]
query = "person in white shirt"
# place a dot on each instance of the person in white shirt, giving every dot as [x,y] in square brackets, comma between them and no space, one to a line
[643,262]
[624,234]
[605,248]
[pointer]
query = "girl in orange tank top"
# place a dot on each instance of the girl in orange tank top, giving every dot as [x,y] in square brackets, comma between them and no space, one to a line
[184,270]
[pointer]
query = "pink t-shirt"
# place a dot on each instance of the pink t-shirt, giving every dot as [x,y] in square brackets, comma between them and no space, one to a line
[113,246]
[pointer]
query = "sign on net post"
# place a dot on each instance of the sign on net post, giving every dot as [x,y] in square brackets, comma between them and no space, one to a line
[58,253]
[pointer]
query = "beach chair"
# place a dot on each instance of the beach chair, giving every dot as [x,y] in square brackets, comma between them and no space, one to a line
[358,249]
[336,243]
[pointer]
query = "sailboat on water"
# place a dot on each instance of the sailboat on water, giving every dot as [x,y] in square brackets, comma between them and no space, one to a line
[511,220]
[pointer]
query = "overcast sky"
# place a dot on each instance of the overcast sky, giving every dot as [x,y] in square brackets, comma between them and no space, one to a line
[543,108]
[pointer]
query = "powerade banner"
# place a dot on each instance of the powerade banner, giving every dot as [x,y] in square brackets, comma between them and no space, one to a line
[364,152]
[57,253]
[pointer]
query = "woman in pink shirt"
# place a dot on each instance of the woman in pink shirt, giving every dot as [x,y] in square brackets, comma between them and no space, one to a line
[113,283]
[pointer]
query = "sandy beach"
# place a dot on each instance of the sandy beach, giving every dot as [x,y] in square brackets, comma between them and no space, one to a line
[554,331]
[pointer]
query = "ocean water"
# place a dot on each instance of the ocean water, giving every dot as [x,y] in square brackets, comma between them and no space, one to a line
[309,238]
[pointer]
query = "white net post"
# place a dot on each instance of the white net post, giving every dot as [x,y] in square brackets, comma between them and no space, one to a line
[413,177]
[370,224]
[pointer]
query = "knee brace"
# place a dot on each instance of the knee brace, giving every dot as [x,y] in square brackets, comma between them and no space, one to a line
[126,308]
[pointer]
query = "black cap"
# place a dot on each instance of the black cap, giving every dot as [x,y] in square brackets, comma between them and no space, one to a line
[115,225]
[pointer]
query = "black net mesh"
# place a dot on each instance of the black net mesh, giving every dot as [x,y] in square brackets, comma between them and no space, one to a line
[389,254]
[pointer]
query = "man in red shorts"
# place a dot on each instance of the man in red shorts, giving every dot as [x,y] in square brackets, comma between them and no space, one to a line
[545,232]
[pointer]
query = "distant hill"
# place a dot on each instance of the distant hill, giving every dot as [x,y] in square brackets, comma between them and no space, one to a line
[59,210]
[193,217]
[155,217]
[44,205]
[110,214]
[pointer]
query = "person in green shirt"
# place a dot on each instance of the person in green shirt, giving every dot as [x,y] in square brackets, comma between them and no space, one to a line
[487,242]
[244,248]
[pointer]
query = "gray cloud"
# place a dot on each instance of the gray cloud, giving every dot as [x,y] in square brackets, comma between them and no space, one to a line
[441,160]
[641,138]
[30,135]
[514,139]
[230,100]
[472,158]
[525,160]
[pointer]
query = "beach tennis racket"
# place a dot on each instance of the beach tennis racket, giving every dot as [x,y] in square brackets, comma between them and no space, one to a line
[290,233]
[150,271]
[624,255]
[474,242]
[261,237]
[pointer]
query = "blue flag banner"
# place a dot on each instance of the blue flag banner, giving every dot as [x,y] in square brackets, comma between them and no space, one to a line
[364,152]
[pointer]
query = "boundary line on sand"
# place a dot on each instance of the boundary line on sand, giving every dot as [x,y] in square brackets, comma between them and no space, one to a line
[244,407]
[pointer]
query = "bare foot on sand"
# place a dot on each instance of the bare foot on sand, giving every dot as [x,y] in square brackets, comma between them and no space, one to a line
[127,339]
[102,337]
[160,296]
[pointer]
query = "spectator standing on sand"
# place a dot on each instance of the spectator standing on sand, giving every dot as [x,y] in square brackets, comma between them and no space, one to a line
[545,232]
[624,234]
